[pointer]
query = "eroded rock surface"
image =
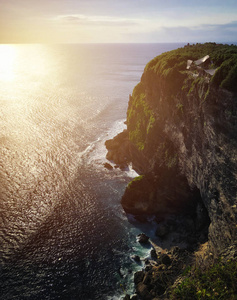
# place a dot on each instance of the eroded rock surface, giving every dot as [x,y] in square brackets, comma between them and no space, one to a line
[182,137]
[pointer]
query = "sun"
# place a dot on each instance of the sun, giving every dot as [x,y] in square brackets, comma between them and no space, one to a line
[7,62]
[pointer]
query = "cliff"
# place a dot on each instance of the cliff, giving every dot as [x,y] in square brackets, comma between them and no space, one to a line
[181,137]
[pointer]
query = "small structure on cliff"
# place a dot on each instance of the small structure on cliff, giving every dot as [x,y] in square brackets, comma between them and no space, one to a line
[187,168]
[193,64]
[196,66]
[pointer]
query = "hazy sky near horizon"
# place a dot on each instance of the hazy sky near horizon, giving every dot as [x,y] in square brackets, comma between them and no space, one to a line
[117,21]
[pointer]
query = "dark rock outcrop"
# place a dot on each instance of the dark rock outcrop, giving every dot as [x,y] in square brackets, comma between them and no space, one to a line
[144,195]
[155,281]
[136,258]
[108,166]
[143,238]
[118,149]
[153,254]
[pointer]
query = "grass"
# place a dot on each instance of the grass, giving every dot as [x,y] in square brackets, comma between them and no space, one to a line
[217,282]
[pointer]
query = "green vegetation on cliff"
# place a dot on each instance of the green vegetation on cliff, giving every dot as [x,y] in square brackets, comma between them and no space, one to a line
[172,65]
[217,282]
[169,72]
[140,117]
[135,180]
[181,125]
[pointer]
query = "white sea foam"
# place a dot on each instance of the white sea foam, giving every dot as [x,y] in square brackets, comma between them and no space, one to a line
[56,116]
[95,153]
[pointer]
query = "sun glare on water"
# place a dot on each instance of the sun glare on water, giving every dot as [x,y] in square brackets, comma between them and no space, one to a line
[7,62]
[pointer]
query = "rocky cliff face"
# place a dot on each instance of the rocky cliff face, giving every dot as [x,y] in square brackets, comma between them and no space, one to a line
[182,137]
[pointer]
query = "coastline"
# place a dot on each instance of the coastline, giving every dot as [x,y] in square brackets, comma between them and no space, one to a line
[181,139]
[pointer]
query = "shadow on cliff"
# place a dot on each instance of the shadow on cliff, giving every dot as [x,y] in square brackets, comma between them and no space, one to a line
[185,226]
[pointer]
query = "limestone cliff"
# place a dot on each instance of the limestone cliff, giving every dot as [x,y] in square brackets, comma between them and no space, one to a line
[182,137]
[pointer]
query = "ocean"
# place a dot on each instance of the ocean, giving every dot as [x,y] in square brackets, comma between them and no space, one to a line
[63,232]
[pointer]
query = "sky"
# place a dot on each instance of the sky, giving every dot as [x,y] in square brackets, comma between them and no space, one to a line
[118,21]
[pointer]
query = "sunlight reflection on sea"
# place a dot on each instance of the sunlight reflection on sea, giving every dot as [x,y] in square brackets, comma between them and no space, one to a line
[62,228]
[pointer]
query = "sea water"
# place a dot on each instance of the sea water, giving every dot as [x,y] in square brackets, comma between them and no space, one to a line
[63,232]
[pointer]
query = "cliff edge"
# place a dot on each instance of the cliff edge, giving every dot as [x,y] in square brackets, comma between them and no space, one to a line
[181,137]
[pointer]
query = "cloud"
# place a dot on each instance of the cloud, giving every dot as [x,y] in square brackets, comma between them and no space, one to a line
[219,32]
[118,21]
[73,19]
[96,20]
[203,32]
[225,33]
[229,27]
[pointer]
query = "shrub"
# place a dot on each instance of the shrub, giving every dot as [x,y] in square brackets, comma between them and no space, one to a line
[170,65]
[230,81]
[217,282]
[140,117]
[135,180]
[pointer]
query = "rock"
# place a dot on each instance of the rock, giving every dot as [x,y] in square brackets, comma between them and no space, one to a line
[175,251]
[153,254]
[108,166]
[187,158]
[127,297]
[161,267]
[143,238]
[147,278]
[162,230]
[148,266]
[123,166]
[165,259]
[134,297]
[142,291]
[118,149]
[138,277]
[145,197]
[229,254]
[188,155]
[136,258]
[147,262]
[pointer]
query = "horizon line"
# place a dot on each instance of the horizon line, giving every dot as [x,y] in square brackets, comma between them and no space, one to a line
[111,43]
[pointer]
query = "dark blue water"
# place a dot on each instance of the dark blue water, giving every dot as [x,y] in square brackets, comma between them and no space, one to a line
[63,233]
